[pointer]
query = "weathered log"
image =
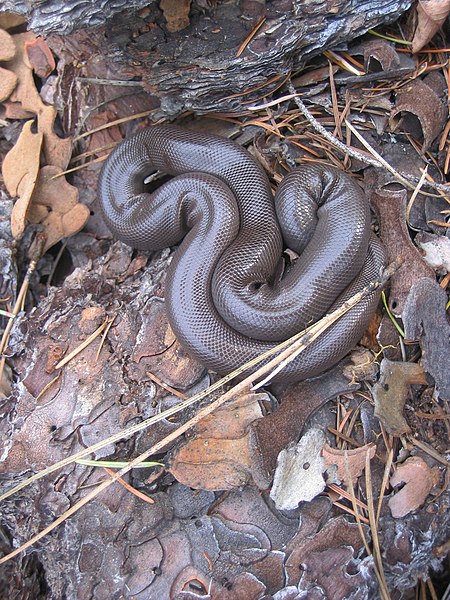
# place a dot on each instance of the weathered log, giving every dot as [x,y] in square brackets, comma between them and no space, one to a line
[60,16]
[198,68]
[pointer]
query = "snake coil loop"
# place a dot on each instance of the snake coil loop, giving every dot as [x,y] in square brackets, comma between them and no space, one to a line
[224,301]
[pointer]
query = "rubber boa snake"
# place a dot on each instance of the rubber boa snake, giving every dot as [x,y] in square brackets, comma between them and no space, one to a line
[225,302]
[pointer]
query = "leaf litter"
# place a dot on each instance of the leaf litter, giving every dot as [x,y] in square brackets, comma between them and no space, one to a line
[213,543]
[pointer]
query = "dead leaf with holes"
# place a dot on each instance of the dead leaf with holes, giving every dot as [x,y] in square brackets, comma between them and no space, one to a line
[222,453]
[55,206]
[340,464]
[418,479]
[431,15]
[25,101]
[299,473]
[20,170]
[41,198]
[392,391]
[320,561]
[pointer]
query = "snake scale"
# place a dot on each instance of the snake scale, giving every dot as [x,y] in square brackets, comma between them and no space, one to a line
[226,301]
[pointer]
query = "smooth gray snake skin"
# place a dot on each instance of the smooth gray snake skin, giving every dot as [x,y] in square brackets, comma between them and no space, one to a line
[225,302]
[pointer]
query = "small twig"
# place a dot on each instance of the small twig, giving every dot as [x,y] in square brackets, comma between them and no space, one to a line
[116,82]
[326,134]
[373,528]
[429,450]
[414,196]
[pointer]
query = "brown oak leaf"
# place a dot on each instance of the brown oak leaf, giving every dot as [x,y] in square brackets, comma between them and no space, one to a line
[220,454]
[20,170]
[57,151]
[55,205]
[418,479]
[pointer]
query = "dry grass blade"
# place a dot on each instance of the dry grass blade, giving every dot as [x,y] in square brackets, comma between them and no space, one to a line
[342,62]
[361,531]
[109,323]
[384,483]
[113,123]
[48,386]
[414,196]
[334,103]
[83,345]
[373,529]
[344,437]
[83,166]
[350,511]
[347,496]
[429,450]
[274,102]
[164,385]
[130,488]
[250,36]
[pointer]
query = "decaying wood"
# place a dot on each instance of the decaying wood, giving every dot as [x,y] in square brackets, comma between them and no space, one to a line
[197,68]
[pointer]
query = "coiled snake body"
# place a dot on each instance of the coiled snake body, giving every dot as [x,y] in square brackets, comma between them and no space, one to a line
[225,302]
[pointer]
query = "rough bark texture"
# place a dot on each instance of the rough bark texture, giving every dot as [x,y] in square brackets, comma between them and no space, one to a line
[197,68]
[59,16]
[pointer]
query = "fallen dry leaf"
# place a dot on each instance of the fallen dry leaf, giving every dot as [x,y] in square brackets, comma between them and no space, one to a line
[321,561]
[39,57]
[343,462]
[176,13]
[57,151]
[378,50]
[425,320]
[390,206]
[220,454]
[7,46]
[418,479]
[8,80]
[20,170]
[55,205]
[420,102]
[299,473]
[436,251]
[431,15]
[392,391]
